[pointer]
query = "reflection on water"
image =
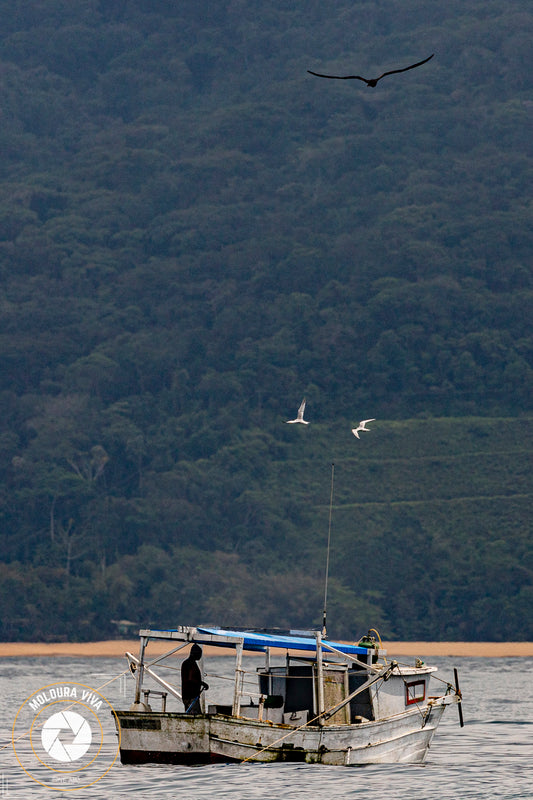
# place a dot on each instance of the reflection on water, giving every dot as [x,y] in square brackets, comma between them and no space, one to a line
[489,758]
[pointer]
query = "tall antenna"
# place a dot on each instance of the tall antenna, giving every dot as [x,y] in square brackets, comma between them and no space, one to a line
[327,554]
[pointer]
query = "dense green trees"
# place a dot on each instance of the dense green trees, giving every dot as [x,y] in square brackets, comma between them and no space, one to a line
[194,234]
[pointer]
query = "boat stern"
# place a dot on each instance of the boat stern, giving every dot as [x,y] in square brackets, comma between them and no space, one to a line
[163,737]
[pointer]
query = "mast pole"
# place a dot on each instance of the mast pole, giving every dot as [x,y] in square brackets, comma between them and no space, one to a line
[327,552]
[319,677]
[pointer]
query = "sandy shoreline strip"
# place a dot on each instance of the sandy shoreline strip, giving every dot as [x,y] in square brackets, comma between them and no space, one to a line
[117,648]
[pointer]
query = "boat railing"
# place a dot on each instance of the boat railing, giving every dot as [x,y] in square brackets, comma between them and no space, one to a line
[162,695]
[135,667]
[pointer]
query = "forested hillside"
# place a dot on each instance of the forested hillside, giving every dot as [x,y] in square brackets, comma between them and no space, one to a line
[195,234]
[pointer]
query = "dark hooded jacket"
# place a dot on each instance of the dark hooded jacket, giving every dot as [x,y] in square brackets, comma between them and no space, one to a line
[191,680]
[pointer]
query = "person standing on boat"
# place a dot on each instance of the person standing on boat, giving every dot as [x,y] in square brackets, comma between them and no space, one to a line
[192,684]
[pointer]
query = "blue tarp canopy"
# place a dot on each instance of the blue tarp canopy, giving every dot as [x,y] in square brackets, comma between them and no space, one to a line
[260,641]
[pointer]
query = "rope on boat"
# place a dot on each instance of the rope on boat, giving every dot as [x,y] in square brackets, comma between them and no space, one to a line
[328,712]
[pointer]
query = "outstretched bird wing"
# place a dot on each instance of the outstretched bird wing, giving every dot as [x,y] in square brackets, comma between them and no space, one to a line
[337,77]
[371,81]
[404,69]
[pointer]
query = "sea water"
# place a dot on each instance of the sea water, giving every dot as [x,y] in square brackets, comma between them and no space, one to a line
[491,757]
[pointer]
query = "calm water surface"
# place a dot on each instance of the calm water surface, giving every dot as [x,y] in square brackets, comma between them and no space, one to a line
[491,757]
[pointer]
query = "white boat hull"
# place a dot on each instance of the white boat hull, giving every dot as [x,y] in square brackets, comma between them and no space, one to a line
[152,737]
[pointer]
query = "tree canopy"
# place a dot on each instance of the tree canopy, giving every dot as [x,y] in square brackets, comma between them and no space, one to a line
[195,233]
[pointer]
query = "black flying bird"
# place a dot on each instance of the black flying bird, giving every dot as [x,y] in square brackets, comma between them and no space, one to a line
[370,81]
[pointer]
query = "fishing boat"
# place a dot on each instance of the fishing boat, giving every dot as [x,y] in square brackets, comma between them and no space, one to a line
[314,700]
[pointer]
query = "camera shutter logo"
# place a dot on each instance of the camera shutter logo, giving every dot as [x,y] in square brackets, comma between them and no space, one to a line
[57,733]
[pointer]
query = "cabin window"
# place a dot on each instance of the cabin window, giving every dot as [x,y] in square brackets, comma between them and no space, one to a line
[415,692]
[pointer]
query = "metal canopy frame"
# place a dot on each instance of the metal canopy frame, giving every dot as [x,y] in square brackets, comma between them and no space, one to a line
[249,640]
[256,641]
